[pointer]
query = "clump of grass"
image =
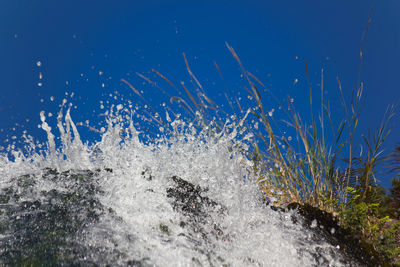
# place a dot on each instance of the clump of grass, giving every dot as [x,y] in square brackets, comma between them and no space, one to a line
[309,172]
[321,168]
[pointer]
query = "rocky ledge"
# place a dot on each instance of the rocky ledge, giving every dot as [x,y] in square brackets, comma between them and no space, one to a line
[46,226]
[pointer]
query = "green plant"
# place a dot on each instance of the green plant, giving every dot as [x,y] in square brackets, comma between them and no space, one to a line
[370,222]
[388,242]
[310,171]
[360,216]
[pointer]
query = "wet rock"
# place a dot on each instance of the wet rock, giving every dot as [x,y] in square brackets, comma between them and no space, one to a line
[327,227]
[188,200]
[146,174]
[46,227]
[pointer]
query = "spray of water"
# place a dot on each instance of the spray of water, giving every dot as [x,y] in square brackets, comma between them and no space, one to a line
[227,223]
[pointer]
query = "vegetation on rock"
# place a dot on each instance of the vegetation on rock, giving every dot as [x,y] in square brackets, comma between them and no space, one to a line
[321,170]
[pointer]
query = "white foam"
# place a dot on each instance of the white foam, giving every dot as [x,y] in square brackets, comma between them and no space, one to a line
[252,233]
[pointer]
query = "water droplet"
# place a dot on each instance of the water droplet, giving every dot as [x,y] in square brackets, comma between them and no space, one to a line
[271,113]
[314,224]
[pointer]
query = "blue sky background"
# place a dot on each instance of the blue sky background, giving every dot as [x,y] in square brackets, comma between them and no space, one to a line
[75,40]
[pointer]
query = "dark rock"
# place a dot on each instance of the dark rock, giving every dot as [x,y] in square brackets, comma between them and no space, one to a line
[196,208]
[164,228]
[146,174]
[325,225]
[46,228]
[188,198]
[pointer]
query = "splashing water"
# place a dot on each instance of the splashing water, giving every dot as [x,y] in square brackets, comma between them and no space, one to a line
[184,199]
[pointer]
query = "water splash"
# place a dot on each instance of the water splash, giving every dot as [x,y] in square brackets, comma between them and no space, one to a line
[220,220]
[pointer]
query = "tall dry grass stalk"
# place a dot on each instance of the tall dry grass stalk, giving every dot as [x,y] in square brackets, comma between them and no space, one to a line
[308,171]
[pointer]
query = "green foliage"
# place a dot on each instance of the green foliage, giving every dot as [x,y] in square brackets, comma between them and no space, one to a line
[308,171]
[360,216]
[372,221]
[395,197]
[388,242]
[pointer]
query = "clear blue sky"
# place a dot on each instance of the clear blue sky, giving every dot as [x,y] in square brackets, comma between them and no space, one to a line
[119,38]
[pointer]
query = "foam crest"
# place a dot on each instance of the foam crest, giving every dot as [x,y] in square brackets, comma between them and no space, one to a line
[227,222]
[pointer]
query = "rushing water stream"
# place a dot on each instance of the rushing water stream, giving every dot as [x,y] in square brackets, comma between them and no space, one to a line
[184,199]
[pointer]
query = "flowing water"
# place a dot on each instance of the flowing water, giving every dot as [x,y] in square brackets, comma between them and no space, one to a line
[186,198]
